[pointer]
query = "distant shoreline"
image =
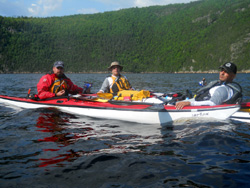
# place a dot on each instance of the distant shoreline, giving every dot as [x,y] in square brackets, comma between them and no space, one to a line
[180,72]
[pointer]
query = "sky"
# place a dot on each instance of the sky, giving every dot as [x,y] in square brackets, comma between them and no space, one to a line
[50,8]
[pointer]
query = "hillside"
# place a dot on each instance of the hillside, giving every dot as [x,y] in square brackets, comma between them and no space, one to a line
[198,36]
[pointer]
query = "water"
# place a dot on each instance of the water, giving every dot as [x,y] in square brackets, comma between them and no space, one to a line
[48,148]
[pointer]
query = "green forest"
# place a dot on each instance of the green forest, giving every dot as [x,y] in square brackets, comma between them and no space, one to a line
[194,37]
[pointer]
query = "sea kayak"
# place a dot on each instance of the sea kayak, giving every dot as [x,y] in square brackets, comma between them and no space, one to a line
[243,114]
[151,111]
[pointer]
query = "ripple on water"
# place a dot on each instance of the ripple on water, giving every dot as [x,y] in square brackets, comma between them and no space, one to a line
[49,148]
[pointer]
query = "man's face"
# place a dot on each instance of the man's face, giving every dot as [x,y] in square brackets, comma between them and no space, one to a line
[225,76]
[58,71]
[116,70]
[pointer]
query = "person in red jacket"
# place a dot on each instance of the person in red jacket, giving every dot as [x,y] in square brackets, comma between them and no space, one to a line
[56,84]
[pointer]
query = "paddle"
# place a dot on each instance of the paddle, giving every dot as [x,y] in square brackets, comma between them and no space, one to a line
[90,97]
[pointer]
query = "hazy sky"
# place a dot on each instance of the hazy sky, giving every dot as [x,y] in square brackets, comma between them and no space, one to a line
[48,8]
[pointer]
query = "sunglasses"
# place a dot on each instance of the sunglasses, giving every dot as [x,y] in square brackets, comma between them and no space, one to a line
[115,67]
[224,70]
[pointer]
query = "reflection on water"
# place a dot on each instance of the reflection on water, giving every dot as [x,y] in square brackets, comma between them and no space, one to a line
[64,129]
[180,154]
[52,122]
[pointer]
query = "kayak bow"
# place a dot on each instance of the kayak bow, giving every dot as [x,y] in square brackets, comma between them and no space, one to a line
[243,114]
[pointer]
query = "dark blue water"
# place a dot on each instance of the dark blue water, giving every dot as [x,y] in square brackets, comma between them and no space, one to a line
[47,148]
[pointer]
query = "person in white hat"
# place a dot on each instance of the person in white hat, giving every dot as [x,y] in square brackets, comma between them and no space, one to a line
[116,82]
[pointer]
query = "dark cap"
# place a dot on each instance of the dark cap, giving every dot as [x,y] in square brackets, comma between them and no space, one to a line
[59,64]
[229,67]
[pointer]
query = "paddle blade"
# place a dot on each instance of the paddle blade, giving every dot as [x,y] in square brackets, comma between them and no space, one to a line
[105,95]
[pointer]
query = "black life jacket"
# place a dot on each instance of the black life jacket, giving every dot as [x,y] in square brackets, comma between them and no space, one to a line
[203,93]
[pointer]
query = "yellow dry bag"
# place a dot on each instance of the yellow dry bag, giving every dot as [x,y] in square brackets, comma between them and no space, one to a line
[130,95]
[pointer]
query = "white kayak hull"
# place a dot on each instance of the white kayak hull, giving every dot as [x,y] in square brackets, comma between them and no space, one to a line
[146,114]
[243,114]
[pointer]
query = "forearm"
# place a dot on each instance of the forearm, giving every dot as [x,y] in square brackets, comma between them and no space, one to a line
[72,88]
[45,94]
[182,104]
[75,89]
[202,103]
